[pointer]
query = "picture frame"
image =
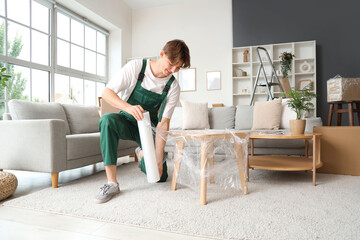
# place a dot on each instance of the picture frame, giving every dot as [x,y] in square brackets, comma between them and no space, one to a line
[303,84]
[213,80]
[187,79]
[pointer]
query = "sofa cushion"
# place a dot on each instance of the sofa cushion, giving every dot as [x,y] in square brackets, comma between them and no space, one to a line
[222,117]
[267,115]
[244,117]
[81,118]
[22,110]
[286,115]
[88,144]
[176,119]
[195,115]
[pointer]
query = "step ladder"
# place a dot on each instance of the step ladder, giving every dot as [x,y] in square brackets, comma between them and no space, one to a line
[267,84]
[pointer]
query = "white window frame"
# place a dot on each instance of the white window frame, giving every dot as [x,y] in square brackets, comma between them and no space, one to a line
[53,67]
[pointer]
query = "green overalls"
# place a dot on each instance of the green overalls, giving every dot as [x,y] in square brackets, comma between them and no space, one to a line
[115,126]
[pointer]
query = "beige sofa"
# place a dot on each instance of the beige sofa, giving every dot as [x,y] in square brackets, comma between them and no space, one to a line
[241,118]
[52,137]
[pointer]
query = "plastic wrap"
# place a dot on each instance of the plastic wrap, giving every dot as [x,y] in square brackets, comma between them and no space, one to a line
[218,157]
[148,147]
[343,89]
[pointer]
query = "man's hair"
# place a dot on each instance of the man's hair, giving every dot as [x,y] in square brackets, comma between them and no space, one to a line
[177,51]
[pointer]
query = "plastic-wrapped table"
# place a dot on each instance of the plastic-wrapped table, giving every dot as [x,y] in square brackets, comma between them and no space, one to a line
[239,141]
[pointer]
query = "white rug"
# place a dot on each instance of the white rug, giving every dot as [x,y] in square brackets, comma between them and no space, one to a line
[280,205]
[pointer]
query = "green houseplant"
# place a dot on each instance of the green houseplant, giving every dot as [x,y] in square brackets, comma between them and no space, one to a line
[285,63]
[299,101]
[3,76]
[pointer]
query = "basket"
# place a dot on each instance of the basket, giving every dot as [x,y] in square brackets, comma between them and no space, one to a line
[8,184]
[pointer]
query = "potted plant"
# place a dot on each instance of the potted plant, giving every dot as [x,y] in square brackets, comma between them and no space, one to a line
[285,63]
[299,101]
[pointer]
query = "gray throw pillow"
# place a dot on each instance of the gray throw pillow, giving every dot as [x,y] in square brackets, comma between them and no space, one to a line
[81,118]
[21,110]
[222,117]
[244,117]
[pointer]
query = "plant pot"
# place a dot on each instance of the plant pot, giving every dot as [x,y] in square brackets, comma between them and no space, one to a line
[297,127]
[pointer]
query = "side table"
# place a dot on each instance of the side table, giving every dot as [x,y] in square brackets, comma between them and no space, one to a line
[207,138]
[287,163]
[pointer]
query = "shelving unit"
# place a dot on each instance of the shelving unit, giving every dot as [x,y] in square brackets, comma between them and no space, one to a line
[243,85]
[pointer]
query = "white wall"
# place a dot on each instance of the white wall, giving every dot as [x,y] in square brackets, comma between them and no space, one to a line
[206,27]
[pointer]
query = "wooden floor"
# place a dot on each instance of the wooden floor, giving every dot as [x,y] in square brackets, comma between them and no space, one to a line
[16,223]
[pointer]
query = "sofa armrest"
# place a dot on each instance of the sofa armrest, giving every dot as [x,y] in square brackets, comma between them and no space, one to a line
[33,145]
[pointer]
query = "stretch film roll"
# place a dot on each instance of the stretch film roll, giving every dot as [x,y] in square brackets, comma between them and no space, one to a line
[147,144]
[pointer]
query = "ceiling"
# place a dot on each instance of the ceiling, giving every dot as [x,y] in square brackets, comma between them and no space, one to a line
[137,4]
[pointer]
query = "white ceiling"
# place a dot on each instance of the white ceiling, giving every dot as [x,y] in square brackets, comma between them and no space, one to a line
[136,4]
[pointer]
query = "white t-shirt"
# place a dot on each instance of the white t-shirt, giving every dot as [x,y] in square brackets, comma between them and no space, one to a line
[126,79]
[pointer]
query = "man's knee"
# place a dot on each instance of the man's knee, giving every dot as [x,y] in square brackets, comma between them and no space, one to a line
[107,120]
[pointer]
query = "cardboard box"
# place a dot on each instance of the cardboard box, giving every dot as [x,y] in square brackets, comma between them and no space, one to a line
[340,150]
[343,89]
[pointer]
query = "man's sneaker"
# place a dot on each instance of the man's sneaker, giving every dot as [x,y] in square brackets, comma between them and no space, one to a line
[106,193]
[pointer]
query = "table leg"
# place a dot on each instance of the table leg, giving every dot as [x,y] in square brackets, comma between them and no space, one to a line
[177,160]
[252,147]
[351,114]
[306,148]
[330,114]
[203,178]
[339,115]
[357,104]
[211,161]
[240,163]
[316,155]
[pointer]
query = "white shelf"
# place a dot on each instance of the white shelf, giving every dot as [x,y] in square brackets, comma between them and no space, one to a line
[306,73]
[303,51]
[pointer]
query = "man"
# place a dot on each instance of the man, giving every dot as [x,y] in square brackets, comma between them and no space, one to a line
[149,86]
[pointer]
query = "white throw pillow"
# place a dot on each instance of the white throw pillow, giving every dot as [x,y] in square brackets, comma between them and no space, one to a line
[267,115]
[176,119]
[195,115]
[287,115]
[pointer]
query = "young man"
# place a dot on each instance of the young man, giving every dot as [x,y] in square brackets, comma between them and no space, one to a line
[148,86]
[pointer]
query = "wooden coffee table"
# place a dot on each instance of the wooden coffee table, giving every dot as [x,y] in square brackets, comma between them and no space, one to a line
[287,163]
[207,138]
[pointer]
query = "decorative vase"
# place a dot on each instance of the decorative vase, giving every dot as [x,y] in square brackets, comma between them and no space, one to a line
[297,127]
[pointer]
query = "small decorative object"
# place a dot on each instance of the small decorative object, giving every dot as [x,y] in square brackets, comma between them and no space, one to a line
[240,73]
[285,61]
[305,67]
[187,79]
[213,80]
[244,90]
[300,102]
[245,59]
[303,84]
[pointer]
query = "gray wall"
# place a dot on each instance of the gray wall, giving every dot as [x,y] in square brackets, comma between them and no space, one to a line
[335,25]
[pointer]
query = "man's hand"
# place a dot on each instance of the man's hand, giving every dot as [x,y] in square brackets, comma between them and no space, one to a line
[136,111]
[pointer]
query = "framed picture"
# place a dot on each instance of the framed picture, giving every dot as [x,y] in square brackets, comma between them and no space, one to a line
[213,80]
[187,79]
[303,84]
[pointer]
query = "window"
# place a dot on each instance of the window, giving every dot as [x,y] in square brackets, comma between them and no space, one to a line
[80,47]
[73,69]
